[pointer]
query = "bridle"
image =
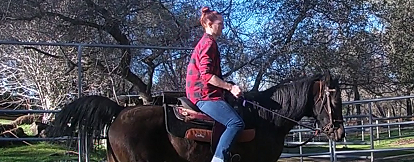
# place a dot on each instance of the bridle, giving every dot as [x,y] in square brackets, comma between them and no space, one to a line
[327,107]
[323,97]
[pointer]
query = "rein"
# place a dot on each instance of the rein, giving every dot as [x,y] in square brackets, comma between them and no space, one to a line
[284,117]
[317,131]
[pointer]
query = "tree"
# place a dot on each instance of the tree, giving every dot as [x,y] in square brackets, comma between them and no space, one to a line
[120,22]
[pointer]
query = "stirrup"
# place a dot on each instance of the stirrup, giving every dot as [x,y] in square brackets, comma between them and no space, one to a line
[235,158]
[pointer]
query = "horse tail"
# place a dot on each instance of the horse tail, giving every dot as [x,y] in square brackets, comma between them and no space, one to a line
[90,113]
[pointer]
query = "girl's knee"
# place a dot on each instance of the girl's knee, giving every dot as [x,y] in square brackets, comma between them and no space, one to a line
[239,124]
[242,125]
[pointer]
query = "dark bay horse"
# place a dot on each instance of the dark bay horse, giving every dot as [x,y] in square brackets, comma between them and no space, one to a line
[138,134]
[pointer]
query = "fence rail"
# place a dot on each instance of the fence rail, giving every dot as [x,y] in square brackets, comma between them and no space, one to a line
[27,111]
[333,152]
[92,45]
[38,139]
[332,145]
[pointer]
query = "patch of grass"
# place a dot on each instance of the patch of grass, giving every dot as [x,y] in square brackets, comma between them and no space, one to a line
[25,127]
[42,152]
[386,143]
[4,121]
[380,144]
[356,136]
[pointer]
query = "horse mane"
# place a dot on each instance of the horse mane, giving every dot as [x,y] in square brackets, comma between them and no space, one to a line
[287,99]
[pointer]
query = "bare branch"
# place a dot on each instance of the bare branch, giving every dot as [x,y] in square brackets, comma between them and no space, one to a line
[42,52]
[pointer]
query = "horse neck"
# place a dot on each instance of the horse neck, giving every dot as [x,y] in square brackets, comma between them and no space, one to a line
[293,115]
[294,103]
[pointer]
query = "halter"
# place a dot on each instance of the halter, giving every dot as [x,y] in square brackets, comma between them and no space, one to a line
[327,108]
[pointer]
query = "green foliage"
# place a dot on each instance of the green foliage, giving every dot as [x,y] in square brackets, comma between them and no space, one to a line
[4,121]
[42,152]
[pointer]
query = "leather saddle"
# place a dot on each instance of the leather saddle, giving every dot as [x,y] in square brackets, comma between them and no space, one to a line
[186,120]
[191,113]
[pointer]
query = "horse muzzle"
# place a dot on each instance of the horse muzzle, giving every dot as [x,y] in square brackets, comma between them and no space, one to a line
[336,133]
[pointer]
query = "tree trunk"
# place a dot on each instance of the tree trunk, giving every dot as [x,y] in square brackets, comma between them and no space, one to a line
[356,98]
[349,107]
[393,111]
[380,110]
[409,107]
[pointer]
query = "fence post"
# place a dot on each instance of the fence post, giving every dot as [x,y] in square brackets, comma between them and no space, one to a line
[86,146]
[300,147]
[362,131]
[80,145]
[389,129]
[371,130]
[83,139]
[332,147]
[388,121]
[79,71]
[334,150]
[378,136]
[399,127]
[345,143]
[330,150]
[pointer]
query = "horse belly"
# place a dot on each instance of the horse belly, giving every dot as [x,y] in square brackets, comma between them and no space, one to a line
[191,151]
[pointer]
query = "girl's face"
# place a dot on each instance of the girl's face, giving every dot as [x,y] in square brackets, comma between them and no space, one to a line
[216,27]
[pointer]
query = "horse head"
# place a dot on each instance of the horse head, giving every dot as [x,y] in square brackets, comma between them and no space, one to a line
[327,106]
[285,104]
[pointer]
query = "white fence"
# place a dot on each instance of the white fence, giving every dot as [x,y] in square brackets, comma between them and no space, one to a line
[372,123]
[332,153]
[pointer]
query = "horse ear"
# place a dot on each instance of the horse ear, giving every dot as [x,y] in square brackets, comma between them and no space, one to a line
[336,81]
[327,75]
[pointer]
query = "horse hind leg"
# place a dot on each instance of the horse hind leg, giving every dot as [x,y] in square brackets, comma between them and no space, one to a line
[110,157]
[116,154]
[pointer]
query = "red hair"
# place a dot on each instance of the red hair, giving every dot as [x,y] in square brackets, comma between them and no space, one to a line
[208,15]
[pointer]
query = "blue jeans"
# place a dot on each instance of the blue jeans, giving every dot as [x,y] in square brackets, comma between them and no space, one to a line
[223,113]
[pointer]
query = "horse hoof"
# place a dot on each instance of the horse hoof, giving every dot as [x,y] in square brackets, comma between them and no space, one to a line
[235,158]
